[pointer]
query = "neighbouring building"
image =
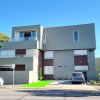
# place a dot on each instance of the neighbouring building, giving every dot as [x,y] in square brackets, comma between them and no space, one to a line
[58,51]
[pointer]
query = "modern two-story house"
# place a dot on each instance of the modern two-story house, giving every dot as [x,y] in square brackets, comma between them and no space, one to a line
[58,51]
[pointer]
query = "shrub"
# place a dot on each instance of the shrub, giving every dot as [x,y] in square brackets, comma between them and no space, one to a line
[0,45]
[92,81]
[41,76]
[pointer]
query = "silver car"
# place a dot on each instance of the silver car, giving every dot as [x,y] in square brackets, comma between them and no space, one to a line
[78,77]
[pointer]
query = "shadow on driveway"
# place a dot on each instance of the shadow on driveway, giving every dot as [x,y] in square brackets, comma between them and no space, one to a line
[61,93]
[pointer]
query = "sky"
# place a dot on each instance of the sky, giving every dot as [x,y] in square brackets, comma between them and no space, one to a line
[50,13]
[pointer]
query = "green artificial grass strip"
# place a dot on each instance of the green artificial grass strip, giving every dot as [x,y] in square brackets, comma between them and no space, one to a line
[37,84]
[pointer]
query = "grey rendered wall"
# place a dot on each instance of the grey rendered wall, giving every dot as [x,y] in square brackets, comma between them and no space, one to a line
[41,37]
[33,75]
[28,61]
[21,77]
[61,38]
[65,59]
[20,45]
[37,28]
[91,73]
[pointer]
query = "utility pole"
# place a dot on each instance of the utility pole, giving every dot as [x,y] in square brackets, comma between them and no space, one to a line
[13,67]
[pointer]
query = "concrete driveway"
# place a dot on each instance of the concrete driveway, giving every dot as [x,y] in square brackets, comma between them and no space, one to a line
[67,85]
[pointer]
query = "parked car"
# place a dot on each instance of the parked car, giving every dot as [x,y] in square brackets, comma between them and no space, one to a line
[1,81]
[78,77]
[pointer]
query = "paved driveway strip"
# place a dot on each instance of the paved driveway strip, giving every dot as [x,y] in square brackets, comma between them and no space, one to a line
[72,87]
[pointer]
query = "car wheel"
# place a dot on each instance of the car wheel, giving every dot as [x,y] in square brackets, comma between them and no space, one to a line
[73,82]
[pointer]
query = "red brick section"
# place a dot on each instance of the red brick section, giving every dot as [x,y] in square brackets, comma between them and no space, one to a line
[81,60]
[47,77]
[48,62]
[20,51]
[20,67]
[40,59]
[44,62]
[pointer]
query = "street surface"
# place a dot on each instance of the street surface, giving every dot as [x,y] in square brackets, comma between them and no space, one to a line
[56,91]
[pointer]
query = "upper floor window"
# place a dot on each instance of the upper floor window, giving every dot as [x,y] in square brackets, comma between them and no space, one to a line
[28,34]
[21,34]
[48,55]
[44,38]
[25,35]
[76,36]
[34,35]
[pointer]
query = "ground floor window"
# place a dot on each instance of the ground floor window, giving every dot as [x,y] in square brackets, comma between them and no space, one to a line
[6,69]
[81,68]
[48,70]
[18,67]
[48,55]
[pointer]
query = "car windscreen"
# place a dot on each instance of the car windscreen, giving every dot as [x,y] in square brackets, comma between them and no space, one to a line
[77,74]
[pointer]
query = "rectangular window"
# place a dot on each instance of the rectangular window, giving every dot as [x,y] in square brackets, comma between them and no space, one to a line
[80,52]
[48,70]
[81,60]
[81,68]
[20,51]
[6,69]
[44,38]
[21,34]
[76,36]
[7,53]
[16,35]
[20,67]
[48,55]
[34,35]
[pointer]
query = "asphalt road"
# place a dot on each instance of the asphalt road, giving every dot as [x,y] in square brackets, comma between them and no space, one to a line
[58,90]
[45,94]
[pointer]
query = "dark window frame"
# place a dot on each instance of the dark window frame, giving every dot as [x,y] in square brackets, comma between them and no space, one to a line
[76,38]
[20,67]
[20,52]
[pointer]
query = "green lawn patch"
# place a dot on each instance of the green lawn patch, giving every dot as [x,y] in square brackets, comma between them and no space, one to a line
[37,84]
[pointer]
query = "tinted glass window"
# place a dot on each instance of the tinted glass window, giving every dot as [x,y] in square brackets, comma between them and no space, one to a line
[76,36]
[21,34]
[77,74]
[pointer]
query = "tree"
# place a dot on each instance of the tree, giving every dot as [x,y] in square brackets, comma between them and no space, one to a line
[3,38]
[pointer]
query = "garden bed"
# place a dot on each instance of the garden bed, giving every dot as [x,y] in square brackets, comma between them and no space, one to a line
[94,82]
